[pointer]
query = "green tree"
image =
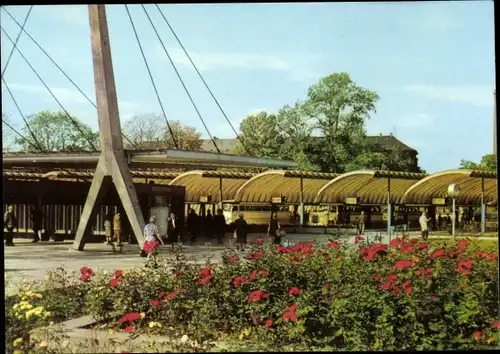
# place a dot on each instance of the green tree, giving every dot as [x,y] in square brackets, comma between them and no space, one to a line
[338,108]
[488,163]
[261,135]
[55,132]
[8,139]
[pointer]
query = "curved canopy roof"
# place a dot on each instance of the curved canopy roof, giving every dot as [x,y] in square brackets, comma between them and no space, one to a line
[263,187]
[203,183]
[370,187]
[436,185]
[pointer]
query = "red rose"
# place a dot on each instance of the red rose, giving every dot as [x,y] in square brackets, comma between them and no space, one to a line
[422,246]
[234,259]
[255,256]
[268,323]
[239,280]
[205,272]
[385,286]
[129,329]
[396,290]
[253,275]
[292,308]
[85,277]
[289,315]
[130,317]
[259,241]
[154,302]
[464,266]
[392,277]
[333,244]
[114,283]
[462,244]
[170,296]
[204,280]
[294,291]
[118,274]
[363,250]
[264,273]
[86,274]
[477,335]
[256,296]
[428,273]
[406,248]
[403,264]
[408,290]
[438,253]
[396,242]
[377,277]
[495,325]
[358,238]
[374,250]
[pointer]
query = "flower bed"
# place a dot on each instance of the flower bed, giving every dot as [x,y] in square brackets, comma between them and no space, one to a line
[405,296]
[408,295]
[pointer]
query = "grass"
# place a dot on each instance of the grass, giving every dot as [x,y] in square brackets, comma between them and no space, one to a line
[486,245]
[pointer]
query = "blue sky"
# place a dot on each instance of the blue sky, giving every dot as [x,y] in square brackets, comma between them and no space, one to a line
[432,63]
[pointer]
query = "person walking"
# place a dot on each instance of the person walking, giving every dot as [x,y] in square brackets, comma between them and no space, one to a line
[172,230]
[241,231]
[36,220]
[151,237]
[220,226]
[10,222]
[423,220]
[274,229]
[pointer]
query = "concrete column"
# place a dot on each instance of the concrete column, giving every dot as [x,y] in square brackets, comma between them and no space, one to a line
[301,202]
[483,209]
[389,208]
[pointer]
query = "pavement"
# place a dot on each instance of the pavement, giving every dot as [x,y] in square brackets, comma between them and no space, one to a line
[32,261]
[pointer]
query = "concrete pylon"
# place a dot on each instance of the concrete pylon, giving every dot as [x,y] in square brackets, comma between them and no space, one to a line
[112,167]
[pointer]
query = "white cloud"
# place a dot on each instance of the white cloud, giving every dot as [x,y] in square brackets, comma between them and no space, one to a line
[414,121]
[475,95]
[300,66]
[64,95]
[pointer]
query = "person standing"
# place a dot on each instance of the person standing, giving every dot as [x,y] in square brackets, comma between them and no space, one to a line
[274,229]
[10,222]
[423,220]
[151,237]
[361,223]
[192,221]
[220,226]
[117,228]
[36,220]
[107,229]
[209,225]
[241,232]
[172,231]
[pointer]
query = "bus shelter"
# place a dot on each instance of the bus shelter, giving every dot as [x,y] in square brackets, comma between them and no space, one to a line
[368,188]
[476,188]
[283,187]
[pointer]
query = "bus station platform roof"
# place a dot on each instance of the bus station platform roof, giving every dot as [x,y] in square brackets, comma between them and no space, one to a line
[471,186]
[262,187]
[204,183]
[369,187]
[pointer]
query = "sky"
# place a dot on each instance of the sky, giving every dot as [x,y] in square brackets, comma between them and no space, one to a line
[431,63]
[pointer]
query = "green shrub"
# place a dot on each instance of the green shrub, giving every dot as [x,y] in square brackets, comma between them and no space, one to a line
[406,296]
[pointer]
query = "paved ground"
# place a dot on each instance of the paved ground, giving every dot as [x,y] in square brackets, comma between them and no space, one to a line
[32,261]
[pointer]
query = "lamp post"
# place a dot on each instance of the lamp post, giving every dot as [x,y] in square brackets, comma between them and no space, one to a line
[453,192]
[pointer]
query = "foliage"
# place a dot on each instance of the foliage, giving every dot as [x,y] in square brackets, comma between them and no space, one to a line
[58,298]
[488,163]
[7,133]
[54,131]
[325,132]
[150,131]
[330,297]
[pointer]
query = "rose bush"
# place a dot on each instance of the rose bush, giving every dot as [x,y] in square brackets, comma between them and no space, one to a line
[406,295]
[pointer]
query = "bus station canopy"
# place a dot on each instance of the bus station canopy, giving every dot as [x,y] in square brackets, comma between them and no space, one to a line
[369,187]
[470,183]
[262,187]
[204,183]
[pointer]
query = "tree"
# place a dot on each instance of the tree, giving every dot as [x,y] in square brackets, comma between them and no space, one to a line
[339,109]
[8,139]
[261,135]
[488,163]
[54,131]
[150,131]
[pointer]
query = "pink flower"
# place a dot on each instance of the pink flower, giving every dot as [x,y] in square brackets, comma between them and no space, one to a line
[268,323]
[129,329]
[204,280]
[422,246]
[477,335]
[464,266]
[259,241]
[462,244]
[114,283]
[130,317]
[294,291]
[239,280]
[256,296]
[292,308]
[170,296]
[358,238]
[205,272]
[438,253]
[333,244]
[396,242]
[118,274]
[234,259]
[403,264]
[495,325]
